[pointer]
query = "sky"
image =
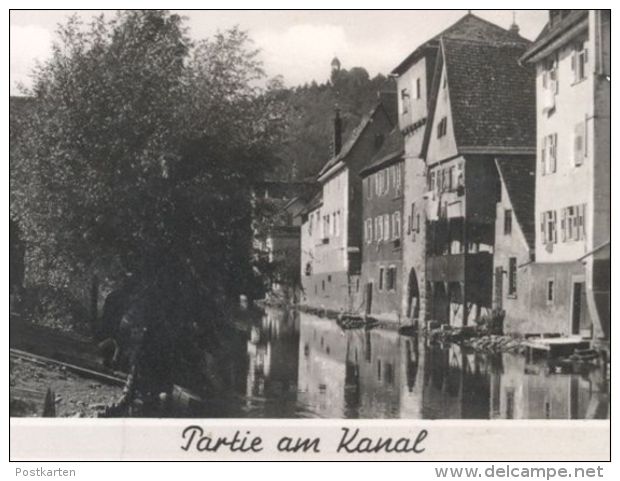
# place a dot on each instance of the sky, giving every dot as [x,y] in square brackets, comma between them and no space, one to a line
[299,44]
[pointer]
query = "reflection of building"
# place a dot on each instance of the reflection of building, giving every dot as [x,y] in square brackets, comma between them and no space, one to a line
[528,392]
[376,357]
[571,277]
[272,357]
[472,122]
[378,373]
[333,224]
[322,366]
[456,383]
[382,205]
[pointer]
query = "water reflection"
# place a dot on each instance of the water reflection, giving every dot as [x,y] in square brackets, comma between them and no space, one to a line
[301,365]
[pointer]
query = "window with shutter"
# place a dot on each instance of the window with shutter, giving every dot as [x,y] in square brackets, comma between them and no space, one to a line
[512,276]
[553,140]
[543,156]
[386,226]
[579,59]
[396,229]
[579,144]
[563,225]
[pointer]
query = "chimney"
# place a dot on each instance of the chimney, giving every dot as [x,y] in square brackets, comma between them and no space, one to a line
[337,132]
[514,28]
[389,100]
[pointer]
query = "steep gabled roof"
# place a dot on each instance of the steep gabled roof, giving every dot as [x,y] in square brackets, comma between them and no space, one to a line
[518,173]
[492,96]
[315,202]
[468,27]
[353,138]
[392,151]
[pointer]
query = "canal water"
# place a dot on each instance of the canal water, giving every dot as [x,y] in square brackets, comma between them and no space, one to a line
[290,364]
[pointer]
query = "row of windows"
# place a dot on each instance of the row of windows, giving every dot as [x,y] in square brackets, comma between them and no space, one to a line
[572,224]
[549,150]
[381,182]
[330,224]
[383,228]
[446,179]
[578,65]
[387,278]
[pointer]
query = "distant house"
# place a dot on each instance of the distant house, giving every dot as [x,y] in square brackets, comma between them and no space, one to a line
[279,243]
[514,244]
[382,211]
[332,242]
[571,277]
[481,109]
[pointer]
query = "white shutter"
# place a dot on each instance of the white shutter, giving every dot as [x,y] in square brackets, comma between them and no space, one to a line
[563,225]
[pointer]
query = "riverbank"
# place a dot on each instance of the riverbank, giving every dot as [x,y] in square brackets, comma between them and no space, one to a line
[73,395]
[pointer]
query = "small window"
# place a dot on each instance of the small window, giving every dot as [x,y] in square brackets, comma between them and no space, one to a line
[418,88]
[398,177]
[442,127]
[323,284]
[379,138]
[548,227]
[396,225]
[579,145]
[404,101]
[431,182]
[368,231]
[381,276]
[386,227]
[550,291]
[550,74]
[507,222]
[391,279]
[389,373]
[579,60]
[512,276]
[549,154]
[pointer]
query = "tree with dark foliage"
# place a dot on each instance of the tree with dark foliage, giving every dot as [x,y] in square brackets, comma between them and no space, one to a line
[140,152]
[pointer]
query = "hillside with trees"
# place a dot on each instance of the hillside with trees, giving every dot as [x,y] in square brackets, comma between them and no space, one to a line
[310,108]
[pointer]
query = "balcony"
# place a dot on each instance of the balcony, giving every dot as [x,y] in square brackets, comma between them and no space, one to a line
[452,267]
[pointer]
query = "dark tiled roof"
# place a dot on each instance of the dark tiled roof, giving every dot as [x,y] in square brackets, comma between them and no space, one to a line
[314,202]
[518,174]
[550,32]
[492,97]
[391,151]
[469,27]
[351,141]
